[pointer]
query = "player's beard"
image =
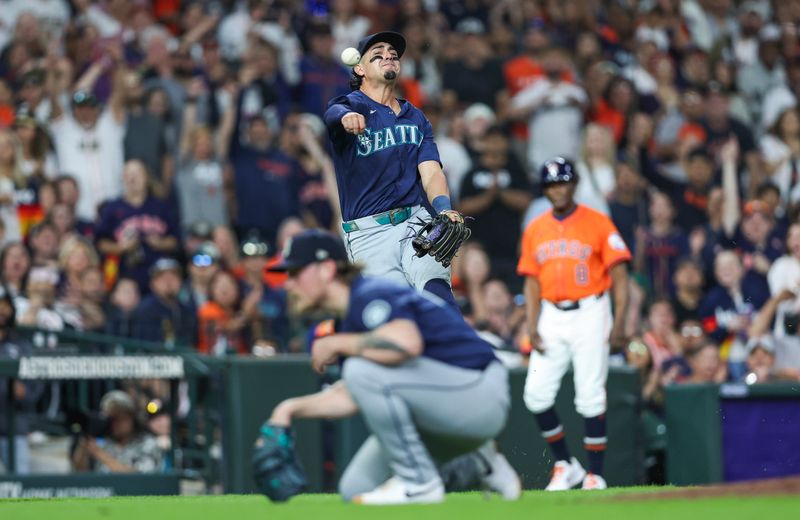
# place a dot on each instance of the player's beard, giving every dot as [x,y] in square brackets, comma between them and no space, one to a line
[300,305]
[390,75]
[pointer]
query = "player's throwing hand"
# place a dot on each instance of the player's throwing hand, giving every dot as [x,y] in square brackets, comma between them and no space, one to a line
[353,123]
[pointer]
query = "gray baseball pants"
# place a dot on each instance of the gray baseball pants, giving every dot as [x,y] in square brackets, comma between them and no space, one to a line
[422,414]
[385,251]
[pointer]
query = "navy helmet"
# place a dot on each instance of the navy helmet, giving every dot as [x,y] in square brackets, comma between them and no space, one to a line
[557,170]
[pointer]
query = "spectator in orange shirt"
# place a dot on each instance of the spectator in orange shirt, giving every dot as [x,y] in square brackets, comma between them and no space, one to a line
[616,106]
[661,339]
[221,323]
[525,69]
[6,105]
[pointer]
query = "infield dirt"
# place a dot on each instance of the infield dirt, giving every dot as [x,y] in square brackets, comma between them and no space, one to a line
[751,488]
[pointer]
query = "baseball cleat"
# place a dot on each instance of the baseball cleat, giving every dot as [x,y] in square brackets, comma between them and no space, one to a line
[592,481]
[502,479]
[397,492]
[566,475]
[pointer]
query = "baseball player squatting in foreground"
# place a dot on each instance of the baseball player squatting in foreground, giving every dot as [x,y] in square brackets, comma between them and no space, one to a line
[571,257]
[429,389]
[388,170]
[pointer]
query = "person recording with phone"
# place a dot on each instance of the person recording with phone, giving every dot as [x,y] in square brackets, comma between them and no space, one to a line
[781,312]
[116,441]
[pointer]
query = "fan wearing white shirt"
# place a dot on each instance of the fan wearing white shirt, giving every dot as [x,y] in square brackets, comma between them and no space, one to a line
[89,140]
[554,110]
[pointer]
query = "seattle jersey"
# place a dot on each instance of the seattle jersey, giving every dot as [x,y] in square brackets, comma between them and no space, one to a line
[377,170]
[445,334]
[571,257]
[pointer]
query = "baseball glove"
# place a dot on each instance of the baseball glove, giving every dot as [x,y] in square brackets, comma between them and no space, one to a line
[441,238]
[276,469]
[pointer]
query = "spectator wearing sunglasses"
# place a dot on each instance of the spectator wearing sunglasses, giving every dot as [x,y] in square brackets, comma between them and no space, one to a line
[264,306]
[203,264]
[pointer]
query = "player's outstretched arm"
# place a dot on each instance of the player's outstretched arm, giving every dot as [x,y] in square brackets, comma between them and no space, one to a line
[334,402]
[341,116]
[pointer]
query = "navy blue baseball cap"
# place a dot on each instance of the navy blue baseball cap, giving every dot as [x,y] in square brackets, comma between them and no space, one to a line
[310,246]
[558,170]
[395,39]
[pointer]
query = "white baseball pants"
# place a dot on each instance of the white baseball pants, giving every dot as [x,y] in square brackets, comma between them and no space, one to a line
[579,337]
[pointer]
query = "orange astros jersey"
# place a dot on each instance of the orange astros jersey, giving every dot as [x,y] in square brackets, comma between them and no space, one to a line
[571,257]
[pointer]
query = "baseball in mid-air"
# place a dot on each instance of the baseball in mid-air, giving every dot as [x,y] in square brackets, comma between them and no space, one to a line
[351,56]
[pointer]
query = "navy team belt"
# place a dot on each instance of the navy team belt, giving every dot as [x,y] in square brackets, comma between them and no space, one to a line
[393,217]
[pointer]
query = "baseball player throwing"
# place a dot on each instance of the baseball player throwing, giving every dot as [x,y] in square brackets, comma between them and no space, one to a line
[571,257]
[428,387]
[387,170]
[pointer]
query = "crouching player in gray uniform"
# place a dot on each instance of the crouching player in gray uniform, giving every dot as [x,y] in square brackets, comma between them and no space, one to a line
[429,389]
[388,170]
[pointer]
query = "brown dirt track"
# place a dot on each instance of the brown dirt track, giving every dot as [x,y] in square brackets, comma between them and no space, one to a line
[768,487]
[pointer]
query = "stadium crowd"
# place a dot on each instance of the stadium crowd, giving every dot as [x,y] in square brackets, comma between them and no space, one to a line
[156,155]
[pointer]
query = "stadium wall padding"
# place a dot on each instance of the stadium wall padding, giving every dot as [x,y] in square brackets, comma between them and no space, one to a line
[708,443]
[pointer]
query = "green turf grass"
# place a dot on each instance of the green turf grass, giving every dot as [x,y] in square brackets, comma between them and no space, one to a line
[466,506]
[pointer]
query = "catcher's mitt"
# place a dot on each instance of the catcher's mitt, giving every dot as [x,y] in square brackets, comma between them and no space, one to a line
[441,238]
[276,469]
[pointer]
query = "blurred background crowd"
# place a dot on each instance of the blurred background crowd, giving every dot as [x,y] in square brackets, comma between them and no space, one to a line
[155,155]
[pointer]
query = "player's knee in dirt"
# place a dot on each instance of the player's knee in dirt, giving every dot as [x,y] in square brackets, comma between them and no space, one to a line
[349,486]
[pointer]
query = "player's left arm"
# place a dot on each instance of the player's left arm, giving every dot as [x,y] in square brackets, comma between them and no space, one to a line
[619,293]
[434,183]
[392,343]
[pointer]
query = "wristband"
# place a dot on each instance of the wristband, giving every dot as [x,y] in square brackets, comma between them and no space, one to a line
[441,203]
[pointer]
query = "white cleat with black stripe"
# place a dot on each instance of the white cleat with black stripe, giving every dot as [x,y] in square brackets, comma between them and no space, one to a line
[398,492]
